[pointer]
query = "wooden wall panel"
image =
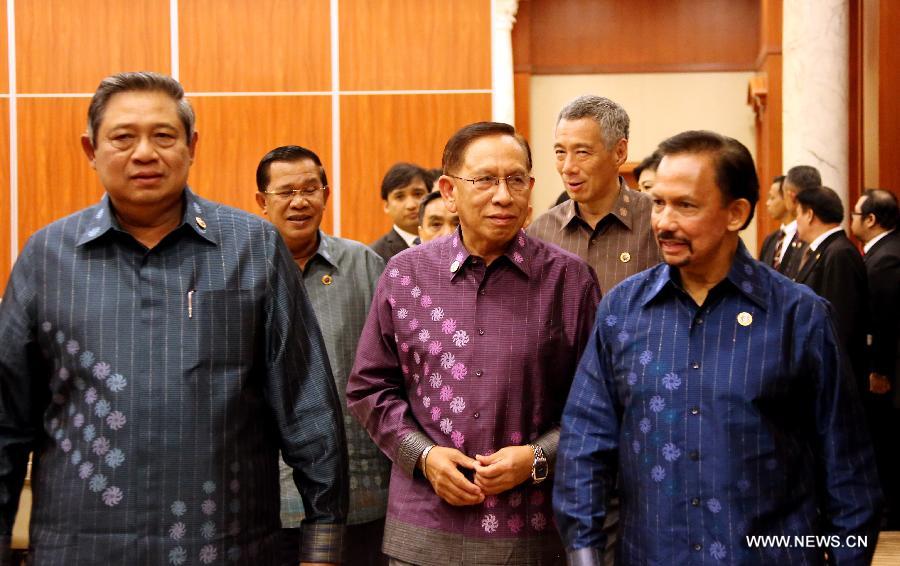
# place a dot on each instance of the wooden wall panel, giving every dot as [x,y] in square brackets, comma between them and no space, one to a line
[65,46]
[378,131]
[415,44]
[610,36]
[769,120]
[236,131]
[4,194]
[4,54]
[888,87]
[255,45]
[55,178]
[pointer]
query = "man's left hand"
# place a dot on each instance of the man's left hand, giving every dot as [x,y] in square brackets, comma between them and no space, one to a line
[504,469]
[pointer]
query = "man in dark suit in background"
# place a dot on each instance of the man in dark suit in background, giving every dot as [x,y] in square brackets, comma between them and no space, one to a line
[797,179]
[402,189]
[874,223]
[777,242]
[833,268]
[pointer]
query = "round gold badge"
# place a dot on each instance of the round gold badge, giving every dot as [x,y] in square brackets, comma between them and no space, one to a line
[327,280]
[624,257]
[745,319]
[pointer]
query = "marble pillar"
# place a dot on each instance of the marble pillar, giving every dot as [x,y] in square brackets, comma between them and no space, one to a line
[815,86]
[503,104]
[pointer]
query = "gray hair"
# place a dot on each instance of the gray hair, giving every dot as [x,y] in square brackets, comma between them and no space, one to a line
[142,81]
[612,118]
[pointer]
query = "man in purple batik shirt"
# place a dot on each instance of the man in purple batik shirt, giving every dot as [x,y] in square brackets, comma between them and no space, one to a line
[464,366]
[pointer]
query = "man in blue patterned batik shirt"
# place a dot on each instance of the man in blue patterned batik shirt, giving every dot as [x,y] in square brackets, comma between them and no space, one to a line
[156,351]
[717,389]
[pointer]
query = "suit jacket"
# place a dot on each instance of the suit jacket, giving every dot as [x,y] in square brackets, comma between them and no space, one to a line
[835,271]
[883,269]
[389,245]
[767,252]
[792,255]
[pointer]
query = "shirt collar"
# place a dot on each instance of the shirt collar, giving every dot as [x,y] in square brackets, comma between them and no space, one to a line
[456,257]
[408,237]
[875,240]
[814,245]
[327,250]
[622,208]
[790,229]
[743,276]
[103,219]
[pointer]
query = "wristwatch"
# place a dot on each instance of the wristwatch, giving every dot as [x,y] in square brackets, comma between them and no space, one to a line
[539,468]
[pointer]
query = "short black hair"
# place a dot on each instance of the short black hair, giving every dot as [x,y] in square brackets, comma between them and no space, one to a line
[804,177]
[433,195]
[290,154]
[650,163]
[824,202]
[402,174]
[735,172]
[882,204]
[780,180]
[455,150]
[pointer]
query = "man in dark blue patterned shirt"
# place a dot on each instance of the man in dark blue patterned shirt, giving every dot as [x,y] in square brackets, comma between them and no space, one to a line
[717,388]
[156,351]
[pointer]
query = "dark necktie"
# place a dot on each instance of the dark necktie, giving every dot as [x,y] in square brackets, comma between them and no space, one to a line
[779,244]
[806,257]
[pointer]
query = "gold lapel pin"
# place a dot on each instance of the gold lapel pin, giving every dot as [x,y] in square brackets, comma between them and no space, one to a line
[745,319]
[327,279]
[201,223]
[624,257]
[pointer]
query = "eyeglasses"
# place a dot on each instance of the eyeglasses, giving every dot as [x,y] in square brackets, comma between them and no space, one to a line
[288,194]
[514,183]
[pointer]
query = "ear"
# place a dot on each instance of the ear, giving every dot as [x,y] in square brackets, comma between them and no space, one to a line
[192,147]
[88,148]
[326,194]
[385,206]
[869,221]
[448,193]
[261,201]
[738,212]
[621,151]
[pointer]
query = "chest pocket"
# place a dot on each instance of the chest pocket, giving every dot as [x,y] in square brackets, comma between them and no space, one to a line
[221,330]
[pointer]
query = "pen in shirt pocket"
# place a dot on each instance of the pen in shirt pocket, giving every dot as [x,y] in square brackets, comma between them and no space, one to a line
[190,297]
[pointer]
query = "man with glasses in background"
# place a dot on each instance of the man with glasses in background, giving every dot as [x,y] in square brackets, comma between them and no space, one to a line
[339,276]
[464,366]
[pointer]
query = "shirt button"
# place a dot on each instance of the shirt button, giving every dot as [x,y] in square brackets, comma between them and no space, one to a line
[695,410]
[695,502]
[478,373]
[481,331]
[699,321]
[476,415]
[482,292]
[698,547]
[695,365]
[694,455]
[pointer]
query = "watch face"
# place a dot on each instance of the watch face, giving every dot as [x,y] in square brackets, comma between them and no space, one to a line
[540,469]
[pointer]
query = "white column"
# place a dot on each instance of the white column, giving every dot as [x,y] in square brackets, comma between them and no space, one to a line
[503,104]
[815,92]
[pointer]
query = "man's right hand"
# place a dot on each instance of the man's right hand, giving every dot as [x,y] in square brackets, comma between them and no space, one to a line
[446,479]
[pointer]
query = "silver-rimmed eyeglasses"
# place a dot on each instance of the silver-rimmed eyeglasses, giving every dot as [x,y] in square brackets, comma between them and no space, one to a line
[309,193]
[514,183]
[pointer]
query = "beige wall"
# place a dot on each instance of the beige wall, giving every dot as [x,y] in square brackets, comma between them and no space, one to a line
[659,104]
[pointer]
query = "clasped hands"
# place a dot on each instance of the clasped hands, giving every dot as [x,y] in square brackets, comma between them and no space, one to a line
[499,472]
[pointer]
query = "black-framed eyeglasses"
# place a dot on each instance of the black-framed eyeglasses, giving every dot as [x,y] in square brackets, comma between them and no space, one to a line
[288,194]
[854,213]
[514,183]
